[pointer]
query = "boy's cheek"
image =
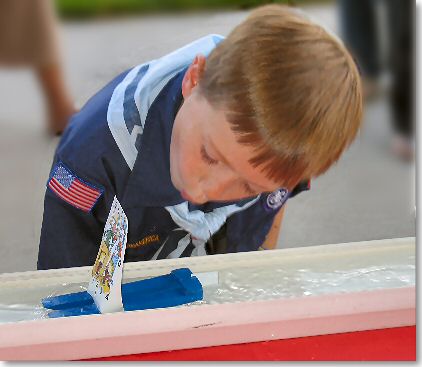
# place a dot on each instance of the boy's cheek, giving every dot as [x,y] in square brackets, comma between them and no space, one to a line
[187,173]
[181,170]
[174,167]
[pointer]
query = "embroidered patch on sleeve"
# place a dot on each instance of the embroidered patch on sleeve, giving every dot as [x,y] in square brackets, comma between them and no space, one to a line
[72,189]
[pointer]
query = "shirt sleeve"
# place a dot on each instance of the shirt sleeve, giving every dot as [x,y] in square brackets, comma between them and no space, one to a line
[69,236]
[247,230]
[301,187]
[87,161]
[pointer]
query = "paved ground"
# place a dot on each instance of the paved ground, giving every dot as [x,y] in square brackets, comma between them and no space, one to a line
[367,195]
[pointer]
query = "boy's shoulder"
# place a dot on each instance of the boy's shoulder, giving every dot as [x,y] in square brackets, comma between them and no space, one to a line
[134,97]
[87,141]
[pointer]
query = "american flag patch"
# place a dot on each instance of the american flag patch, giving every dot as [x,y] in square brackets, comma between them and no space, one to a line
[72,189]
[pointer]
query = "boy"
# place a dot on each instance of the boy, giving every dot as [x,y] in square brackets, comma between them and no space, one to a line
[204,146]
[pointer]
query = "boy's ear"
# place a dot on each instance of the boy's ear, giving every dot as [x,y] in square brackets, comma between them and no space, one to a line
[193,75]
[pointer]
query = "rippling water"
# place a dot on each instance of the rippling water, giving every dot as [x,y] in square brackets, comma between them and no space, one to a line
[248,284]
[268,283]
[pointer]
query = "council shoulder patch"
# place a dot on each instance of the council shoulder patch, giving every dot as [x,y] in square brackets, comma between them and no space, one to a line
[276,199]
[72,189]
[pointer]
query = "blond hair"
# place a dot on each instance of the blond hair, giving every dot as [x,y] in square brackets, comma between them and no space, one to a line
[290,89]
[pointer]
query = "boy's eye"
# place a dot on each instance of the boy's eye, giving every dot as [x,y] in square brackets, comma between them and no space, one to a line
[206,157]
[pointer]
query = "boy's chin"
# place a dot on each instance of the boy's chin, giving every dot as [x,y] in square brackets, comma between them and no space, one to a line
[192,200]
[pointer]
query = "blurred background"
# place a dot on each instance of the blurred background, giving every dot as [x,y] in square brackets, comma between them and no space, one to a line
[55,54]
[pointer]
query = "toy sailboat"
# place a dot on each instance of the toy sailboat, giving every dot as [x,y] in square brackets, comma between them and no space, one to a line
[106,293]
[174,289]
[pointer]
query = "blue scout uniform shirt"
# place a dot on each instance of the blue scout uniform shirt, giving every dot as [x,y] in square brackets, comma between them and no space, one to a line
[119,144]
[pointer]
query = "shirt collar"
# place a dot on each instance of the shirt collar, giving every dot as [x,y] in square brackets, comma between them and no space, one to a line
[150,182]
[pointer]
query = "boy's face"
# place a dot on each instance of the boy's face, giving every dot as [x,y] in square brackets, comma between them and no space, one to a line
[206,161]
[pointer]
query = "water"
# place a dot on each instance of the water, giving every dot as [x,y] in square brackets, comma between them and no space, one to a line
[264,282]
[269,283]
